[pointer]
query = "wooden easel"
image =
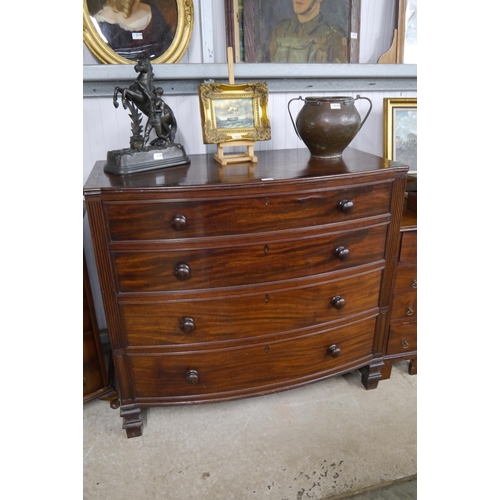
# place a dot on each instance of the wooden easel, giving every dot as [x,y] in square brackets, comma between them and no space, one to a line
[225,159]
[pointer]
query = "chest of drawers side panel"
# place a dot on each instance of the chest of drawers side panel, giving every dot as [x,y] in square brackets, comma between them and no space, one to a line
[107,280]
[391,263]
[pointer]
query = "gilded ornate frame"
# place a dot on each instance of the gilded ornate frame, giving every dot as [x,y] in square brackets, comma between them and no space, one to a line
[216,96]
[391,106]
[175,52]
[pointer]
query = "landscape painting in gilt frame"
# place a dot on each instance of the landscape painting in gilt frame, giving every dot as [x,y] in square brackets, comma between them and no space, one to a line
[291,31]
[400,130]
[234,112]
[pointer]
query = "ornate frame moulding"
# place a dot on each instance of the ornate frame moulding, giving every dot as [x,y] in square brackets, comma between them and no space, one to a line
[400,130]
[183,22]
[234,112]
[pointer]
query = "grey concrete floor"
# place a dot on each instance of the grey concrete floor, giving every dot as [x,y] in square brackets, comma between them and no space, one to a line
[404,489]
[324,440]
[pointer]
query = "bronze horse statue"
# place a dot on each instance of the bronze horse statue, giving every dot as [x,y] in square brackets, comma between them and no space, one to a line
[147,98]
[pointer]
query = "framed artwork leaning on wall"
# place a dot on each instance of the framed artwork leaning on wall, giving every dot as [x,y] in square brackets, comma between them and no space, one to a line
[293,31]
[400,130]
[124,31]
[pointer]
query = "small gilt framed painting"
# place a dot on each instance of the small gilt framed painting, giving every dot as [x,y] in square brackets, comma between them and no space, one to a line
[234,112]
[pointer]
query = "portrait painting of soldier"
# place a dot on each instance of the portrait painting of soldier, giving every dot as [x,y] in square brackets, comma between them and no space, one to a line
[304,31]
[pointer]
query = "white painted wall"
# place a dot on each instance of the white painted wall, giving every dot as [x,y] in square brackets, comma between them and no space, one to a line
[106,128]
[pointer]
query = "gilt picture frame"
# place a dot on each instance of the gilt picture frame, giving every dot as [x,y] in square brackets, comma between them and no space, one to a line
[234,112]
[407,32]
[400,130]
[250,28]
[165,39]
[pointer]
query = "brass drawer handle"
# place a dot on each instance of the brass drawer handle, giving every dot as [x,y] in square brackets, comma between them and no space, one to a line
[334,351]
[414,283]
[182,272]
[192,377]
[187,325]
[409,311]
[338,302]
[178,222]
[342,253]
[346,206]
[405,344]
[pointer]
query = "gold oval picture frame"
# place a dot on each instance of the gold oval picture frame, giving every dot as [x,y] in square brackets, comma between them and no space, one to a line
[171,21]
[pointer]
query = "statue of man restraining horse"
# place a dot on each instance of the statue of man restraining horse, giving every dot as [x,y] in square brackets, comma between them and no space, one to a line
[143,95]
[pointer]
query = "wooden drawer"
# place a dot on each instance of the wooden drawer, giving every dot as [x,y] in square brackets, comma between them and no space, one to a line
[406,278]
[227,372]
[196,266]
[402,338]
[408,247]
[198,319]
[172,219]
[404,306]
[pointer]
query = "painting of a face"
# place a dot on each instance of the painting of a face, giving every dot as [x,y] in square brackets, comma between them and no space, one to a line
[301,6]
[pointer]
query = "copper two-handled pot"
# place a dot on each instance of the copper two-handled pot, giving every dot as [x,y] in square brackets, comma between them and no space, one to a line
[327,125]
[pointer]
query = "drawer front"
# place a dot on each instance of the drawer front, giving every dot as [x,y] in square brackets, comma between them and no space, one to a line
[406,278]
[164,219]
[402,338]
[404,306]
[229,371]
[244,264]
[408,247]
[198,320]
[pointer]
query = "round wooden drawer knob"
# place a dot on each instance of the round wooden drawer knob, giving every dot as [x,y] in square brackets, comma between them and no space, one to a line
[342,253]
[346,206]
[187,325]
[182,272]
[338,302]
[179,222]
[334,351]
[192,377]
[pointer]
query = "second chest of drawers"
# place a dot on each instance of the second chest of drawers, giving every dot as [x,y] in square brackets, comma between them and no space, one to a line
[402,338]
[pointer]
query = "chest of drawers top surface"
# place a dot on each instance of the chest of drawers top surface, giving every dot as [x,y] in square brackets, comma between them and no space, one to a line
[277,167]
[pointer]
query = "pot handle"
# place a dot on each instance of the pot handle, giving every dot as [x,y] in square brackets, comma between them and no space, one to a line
[369,110]
[290,113]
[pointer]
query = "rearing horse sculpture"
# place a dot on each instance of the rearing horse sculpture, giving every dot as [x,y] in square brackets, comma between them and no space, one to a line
[147,99]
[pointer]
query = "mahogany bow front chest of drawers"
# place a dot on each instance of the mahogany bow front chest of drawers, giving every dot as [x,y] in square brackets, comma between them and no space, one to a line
[225,282]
